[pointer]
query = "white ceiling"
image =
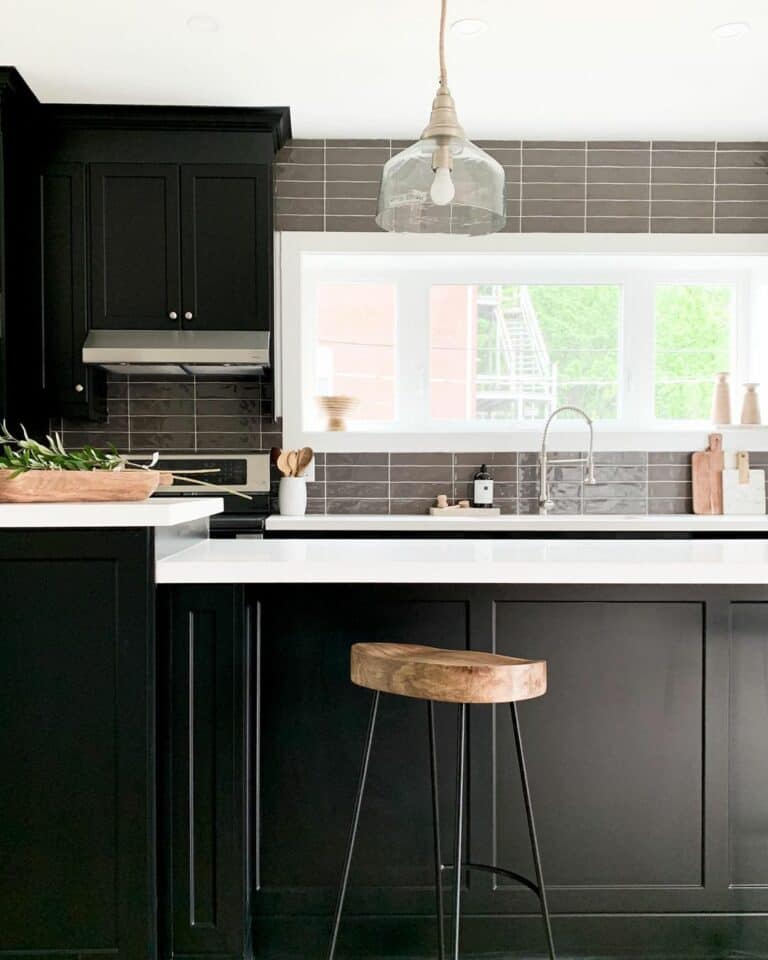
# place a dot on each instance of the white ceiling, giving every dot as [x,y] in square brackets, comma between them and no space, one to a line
[364,68]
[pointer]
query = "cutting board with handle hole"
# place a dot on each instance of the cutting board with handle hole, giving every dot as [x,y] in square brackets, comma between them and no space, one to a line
[707,477]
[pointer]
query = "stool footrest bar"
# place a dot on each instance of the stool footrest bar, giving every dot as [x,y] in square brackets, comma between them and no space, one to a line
[489,868]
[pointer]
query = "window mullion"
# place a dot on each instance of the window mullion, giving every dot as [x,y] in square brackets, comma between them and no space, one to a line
[637,351]
[413,337]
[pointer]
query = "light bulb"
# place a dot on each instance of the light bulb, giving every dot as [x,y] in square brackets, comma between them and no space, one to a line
[442,190]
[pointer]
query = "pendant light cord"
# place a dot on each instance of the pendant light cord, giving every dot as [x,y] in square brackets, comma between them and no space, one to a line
[443,68]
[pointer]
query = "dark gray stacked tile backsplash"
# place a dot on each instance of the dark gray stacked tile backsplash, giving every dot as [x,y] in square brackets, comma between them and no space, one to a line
[627,482]
[624,186]
[208,416]
[181,414]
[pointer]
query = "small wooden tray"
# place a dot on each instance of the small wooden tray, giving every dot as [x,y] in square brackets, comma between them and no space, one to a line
[456,511]
[80,486]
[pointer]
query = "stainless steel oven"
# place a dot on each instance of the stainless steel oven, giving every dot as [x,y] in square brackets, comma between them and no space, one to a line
[246,473]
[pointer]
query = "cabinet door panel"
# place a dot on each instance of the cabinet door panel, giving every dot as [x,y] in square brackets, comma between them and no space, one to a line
[134,246]
[748,737]
[77,871]
[226,246]
[74,389]
[615,747]
[209,803]
[313,723]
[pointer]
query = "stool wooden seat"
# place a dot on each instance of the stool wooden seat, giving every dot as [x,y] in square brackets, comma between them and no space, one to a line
[451,676]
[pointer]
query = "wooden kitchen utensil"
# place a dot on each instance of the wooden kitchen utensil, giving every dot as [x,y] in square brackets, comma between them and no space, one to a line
[293,462]
[706,474]
[80,486]
[282,463]
[304,459]
[743,489]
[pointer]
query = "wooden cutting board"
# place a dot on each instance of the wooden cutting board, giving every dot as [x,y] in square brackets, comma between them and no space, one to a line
[707,477]
[743,489]
[80,486]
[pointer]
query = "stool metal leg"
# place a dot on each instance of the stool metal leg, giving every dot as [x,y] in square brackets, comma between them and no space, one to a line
[458,827]
[436,832]
[532,830]
[353,828]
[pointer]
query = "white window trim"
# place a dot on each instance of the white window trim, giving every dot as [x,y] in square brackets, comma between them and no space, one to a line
[294,360]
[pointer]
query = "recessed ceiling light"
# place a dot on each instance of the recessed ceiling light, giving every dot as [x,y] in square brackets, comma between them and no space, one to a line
[469,27]
[201,23]
[729,31]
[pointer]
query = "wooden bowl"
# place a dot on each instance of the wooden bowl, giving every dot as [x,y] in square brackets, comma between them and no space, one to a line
[80,486]
[337,409]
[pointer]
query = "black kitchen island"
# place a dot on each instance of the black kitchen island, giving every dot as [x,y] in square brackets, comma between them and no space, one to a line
[182,787]
[645,756]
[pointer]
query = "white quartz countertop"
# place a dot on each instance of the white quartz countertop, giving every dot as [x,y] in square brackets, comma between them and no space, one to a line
[156,512]
[512,523]
[469,561]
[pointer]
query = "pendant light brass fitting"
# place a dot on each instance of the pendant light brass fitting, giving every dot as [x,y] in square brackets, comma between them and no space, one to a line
[443,121]
[442,157]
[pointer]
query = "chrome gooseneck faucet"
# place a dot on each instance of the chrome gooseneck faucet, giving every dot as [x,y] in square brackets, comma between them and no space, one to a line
[545,503]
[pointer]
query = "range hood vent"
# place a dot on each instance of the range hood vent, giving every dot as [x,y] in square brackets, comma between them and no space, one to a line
[230,353]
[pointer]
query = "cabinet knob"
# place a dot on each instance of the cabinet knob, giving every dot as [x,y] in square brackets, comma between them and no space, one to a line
[188,315]
[79,388]
[173,315]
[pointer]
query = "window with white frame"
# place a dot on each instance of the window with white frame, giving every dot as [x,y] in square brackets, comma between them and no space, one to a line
[455,343]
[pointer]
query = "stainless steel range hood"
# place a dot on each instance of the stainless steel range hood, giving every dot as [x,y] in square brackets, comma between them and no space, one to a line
[231,353]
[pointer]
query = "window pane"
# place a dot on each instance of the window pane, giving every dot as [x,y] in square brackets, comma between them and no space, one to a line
[512,352]
[355,347]
[694,329]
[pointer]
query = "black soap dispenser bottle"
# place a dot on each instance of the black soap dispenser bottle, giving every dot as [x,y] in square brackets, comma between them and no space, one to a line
[483,488]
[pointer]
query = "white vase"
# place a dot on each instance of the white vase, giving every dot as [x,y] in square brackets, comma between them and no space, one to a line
[292,496]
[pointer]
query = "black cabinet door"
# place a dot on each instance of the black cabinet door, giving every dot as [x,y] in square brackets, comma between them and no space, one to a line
[134,246]
[22,382]
[77,804]
[74,390]
[312,724]
[226,246]
[205,829]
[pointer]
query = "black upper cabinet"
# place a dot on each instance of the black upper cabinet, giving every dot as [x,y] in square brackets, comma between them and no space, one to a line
[134,246]
[22,383]
[154,218]
[226,246]
[180,247]
[75,389]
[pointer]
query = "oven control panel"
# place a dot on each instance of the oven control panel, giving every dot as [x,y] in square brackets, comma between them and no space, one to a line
[246,472]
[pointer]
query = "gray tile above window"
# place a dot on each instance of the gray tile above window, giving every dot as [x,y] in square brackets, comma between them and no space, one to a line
[565,186]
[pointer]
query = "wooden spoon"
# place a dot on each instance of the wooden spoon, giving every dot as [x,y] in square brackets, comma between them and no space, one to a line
[282,463]
[304,459]
[293,462]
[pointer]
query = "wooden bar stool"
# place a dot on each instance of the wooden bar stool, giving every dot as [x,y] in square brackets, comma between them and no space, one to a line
[451,676]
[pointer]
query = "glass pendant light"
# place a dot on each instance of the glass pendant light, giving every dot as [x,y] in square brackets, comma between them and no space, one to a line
[443,183]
